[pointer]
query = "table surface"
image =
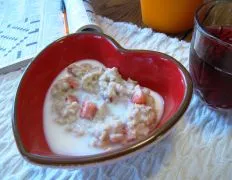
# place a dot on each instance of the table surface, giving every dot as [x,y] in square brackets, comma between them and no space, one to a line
[128,11]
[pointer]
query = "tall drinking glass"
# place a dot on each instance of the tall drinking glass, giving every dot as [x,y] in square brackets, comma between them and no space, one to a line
[211,53]
[170,16]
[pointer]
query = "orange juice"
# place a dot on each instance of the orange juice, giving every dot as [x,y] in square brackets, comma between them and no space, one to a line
[170,16]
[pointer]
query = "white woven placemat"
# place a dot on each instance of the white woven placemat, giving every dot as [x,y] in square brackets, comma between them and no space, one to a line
[199,148]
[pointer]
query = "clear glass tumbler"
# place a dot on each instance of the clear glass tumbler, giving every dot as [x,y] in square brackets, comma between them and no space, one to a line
[170,16]
[211,53]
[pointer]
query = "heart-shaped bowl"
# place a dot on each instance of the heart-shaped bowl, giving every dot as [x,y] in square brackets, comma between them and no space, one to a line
[154,70]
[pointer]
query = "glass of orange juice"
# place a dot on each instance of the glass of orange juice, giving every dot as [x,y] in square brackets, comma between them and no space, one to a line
[169,16]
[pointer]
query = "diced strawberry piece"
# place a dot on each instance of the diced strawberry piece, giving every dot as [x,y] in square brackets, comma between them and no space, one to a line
[139,98]
[72,82]
[116,138]
[71,98]
[131,137]
[88,110]
[111,99]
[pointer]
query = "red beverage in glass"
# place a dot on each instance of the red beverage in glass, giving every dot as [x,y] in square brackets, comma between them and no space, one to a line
[210,60]
[212,72]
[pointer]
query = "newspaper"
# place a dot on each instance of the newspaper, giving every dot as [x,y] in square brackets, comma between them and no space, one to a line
[18,30]
[27,27]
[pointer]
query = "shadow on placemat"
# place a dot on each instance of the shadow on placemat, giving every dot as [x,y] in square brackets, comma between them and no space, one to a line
[207,125]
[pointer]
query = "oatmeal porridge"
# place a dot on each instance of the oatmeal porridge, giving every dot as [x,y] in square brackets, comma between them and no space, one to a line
[91,109]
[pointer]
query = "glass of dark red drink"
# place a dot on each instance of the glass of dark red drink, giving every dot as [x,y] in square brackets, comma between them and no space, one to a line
[210,60]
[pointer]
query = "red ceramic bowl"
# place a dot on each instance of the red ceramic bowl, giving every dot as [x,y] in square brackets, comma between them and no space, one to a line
[154,70]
